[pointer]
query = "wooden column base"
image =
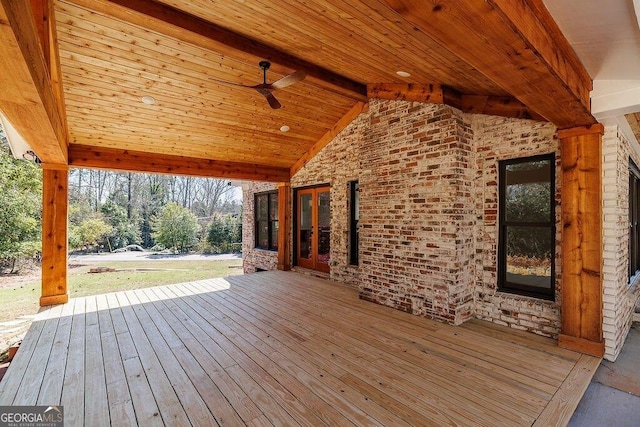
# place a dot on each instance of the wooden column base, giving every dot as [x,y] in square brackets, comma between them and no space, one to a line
[54,300]
[581,345]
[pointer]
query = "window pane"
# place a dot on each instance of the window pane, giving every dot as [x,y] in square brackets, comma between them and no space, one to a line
[263,234]
[274,235]
[273,207]
[356,201]
[529,252]
[324,227]
[528,192]
[261,207]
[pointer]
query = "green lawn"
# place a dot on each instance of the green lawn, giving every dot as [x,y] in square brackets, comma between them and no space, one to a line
[23,300]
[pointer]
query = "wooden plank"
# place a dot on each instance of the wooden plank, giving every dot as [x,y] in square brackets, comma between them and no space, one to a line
[177,24]
[208,353]
[297,382]
[559,410]
[96,409]
[196,409]
[430,93]
[284,225]
[137,161]
[118,395]
[510,46]
[307,366]
[295,350]
[373,366]
[28,100]
[74,381]
[51,389]
[483,350]
[277,385]
[168,402]
[372,353]
[329,136]
[13,377]
[35,372]
[142,397]
[215,400]
[55,188]
[581,239]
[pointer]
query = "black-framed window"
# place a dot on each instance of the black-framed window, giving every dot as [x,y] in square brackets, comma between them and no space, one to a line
[266,215]
[634,217]
[526,248]
[354,217]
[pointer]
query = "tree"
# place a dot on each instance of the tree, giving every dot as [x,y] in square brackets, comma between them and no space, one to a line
[175,227]
[123,231]
[92,231]
[224,232]
[20,207]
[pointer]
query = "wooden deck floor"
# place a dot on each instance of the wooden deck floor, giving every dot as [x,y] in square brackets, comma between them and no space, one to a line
[280,348]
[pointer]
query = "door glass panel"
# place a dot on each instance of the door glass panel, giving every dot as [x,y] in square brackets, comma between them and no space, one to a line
[324,227]
[305,226]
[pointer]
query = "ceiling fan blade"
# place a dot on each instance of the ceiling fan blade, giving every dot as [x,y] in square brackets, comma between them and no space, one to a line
[273,102]
[289,80]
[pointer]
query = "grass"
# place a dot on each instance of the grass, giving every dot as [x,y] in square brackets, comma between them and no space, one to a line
[23,300]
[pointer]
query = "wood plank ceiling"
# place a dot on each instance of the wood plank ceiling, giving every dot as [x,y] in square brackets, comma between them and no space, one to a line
[114,52]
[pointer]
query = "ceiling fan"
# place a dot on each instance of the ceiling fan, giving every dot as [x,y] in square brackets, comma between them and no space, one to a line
[266,89]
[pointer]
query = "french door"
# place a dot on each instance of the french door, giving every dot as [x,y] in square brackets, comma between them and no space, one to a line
[313,231]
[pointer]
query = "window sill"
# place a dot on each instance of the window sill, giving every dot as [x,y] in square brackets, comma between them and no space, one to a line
[516,293]
[272,251]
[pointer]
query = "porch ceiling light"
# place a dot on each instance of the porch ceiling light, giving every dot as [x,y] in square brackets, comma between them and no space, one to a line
[406,74]
[149,100]
[20,149]
[284,128]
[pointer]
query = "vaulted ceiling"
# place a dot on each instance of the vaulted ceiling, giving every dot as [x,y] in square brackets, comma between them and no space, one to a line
[97,59]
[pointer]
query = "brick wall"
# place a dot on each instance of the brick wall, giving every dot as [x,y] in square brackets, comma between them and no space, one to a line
[338,164]
[252,258]
[428,211]
[620,297]
[498,138]
[416,210]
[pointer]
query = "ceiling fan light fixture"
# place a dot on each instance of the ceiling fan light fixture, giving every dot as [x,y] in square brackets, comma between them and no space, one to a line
[149,100]
[284,128]
[403,74]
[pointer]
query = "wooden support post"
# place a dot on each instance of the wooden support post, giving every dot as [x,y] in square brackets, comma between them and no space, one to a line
[582,240]
[55,185]
[284,224]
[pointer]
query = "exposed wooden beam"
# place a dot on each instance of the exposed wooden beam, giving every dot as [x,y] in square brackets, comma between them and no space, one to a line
[172,22]
[431,93]
[27,98]
[84,156]
[582,240]
[329,135]
[55,189]
[505,106]
[513,44]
